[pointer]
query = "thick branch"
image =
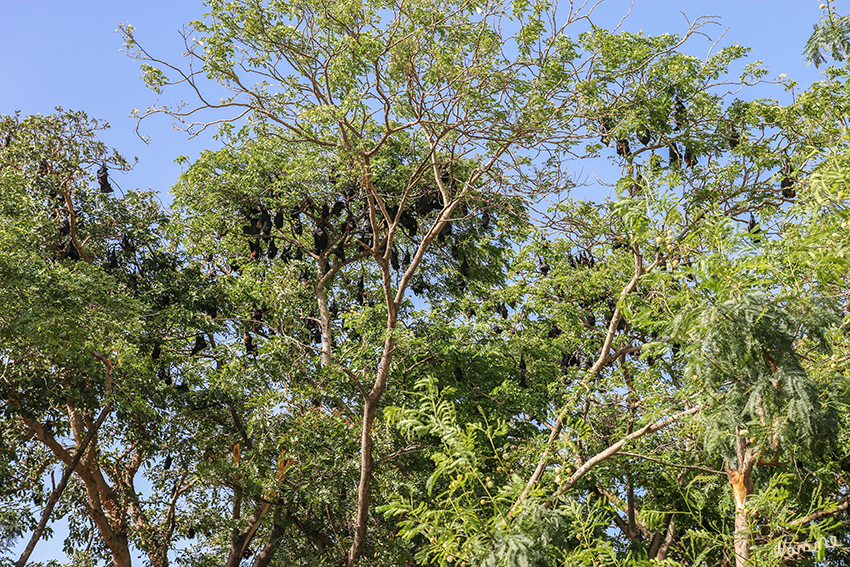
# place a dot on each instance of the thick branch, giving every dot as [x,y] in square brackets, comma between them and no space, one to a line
[57,492]
[615,448]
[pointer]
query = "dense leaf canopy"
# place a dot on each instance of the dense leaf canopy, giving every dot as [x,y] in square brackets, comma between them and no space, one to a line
[379,326]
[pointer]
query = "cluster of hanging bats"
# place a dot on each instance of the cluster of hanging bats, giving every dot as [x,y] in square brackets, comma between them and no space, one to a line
[340,229]
[675,157]
[333,227]
[338,224]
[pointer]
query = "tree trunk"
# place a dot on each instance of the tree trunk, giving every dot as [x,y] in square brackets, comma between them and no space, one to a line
[742,486]
[370,405]
[265,555]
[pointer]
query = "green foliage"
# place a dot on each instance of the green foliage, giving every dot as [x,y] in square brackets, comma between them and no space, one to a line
[830,35]
[272,377]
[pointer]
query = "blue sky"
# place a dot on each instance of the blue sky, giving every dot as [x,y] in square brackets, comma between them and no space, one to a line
[66,53]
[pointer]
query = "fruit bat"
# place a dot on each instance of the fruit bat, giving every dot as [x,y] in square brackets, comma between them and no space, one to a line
[394,259]
[127,243]
[348,226]
[607,126]
[675,156]
[543,267]
[320,240]
[424,204]
[366,226]
[250,348]
[623,148]
[70,251]
[350,190]
[286,255]
[753,228]
[458,374]
[265,222]
[485,220]
[636,186]
[298,254]
[200,344]
[112,260]
[167,464]
[690,158]
[103,179]
[412,227]
[619,242]
[734,140]
[156,352]
[339,251]
[787,184]
[680,114]
[337,209]
[392,213]
[326,212]
[257,314]
[643,136]
[256,250]
[464,268]
[164,376]
[272,251]
[278,220]
[360,289]
[406,260]
[502,310]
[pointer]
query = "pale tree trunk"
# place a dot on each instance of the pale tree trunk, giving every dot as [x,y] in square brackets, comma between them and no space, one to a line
[370,405]
[104,506]
[57,492]
[741,481]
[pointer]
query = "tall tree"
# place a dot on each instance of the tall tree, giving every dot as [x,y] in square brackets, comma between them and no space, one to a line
[668,305]
[422,116]
[89,295]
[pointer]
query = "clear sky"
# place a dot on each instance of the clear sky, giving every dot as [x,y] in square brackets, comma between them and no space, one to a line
[66,53]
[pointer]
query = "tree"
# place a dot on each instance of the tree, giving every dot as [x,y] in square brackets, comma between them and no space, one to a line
[831,35]
[702,302]
[626,382]
[342,92]
[88,292]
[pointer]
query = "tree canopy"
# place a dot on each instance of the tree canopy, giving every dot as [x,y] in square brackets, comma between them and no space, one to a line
[380,326]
